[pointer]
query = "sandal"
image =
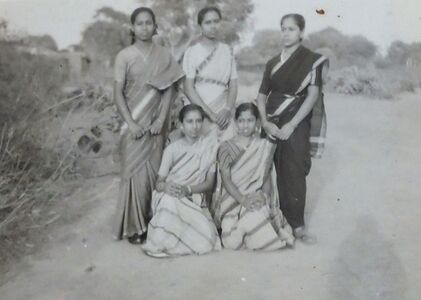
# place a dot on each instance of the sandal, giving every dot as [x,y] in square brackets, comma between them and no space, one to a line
[135,239]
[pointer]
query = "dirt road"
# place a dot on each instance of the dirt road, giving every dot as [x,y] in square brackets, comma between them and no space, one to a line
[364,205]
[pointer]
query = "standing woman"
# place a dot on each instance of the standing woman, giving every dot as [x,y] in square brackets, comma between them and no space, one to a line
[143,89]
[290,103]
[211,75]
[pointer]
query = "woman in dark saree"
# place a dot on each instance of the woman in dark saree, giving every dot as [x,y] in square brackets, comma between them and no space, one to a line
[290,103]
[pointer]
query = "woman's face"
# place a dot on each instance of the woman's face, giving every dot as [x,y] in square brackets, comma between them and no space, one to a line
[210,25]
[246,123]
[143,26]
[290,32]
[192,124]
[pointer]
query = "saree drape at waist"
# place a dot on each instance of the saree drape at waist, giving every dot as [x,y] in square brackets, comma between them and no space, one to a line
[264,229]
[281,108]
[286,83]
[140,158]
[212,72]
[184,226]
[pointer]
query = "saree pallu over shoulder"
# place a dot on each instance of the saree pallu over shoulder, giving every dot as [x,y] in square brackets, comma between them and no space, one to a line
[140,159]
[212,71]
[264,229]
[146,80]
[183,226]
[302,69]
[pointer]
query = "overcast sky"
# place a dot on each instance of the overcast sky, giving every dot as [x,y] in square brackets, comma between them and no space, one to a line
[381,21]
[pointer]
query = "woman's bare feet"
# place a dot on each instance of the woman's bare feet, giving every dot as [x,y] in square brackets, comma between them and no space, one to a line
[301,234]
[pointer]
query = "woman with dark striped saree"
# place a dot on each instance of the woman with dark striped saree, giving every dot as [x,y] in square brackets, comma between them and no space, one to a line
[290,103]
[247,199]
[181,223]
[145,74]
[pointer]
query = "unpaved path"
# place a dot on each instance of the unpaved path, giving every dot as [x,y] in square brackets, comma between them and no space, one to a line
[364,206]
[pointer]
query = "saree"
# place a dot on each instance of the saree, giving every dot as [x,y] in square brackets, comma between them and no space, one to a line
[212,72]
[183,226]
[144,80]
[286,84]
[264,229]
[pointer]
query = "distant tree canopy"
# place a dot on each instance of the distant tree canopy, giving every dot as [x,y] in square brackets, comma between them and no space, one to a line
[343,49]
[347,50]
[177,25]
[401,53]
[41,41]
[265,44]
[178,20]
[107,35]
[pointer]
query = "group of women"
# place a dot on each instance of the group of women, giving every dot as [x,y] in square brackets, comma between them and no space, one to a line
[236,176]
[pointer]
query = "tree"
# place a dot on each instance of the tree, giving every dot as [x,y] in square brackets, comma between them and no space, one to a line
[265,44]
[105,37]
[177,20]
[41,41]
[177,25]
[401,53]
[349,50]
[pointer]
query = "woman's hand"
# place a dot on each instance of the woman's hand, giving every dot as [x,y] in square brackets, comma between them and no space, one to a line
[137,130]
[212,116]
[254,201]
[156,127]
[185,191]
[246,202]
[271,129]
[223,118]
[286,131]
[257,199]
[173,189]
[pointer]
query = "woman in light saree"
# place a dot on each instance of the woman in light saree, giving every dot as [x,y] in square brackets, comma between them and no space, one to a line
[291,108]
[248,207]
[144,77]
[211,76]
[181,223]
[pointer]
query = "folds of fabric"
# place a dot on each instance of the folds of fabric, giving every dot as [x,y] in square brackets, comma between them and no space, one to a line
[184,226]
[263,229]
[212,72]
[180,227]
[140,158]
[140,161]
[292,163]
[302,69]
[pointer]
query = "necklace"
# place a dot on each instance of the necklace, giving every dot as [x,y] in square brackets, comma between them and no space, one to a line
[145,56]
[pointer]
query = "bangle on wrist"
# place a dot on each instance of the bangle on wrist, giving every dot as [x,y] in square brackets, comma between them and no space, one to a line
[189,191]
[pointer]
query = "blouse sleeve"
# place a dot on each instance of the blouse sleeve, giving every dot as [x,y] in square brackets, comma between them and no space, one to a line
[226,155]
[265,85]
[120,67]
[188,65]
[316,77]
[166,162]
[318,74]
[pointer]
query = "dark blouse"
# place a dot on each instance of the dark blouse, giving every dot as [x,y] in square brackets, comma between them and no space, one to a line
[289,77]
